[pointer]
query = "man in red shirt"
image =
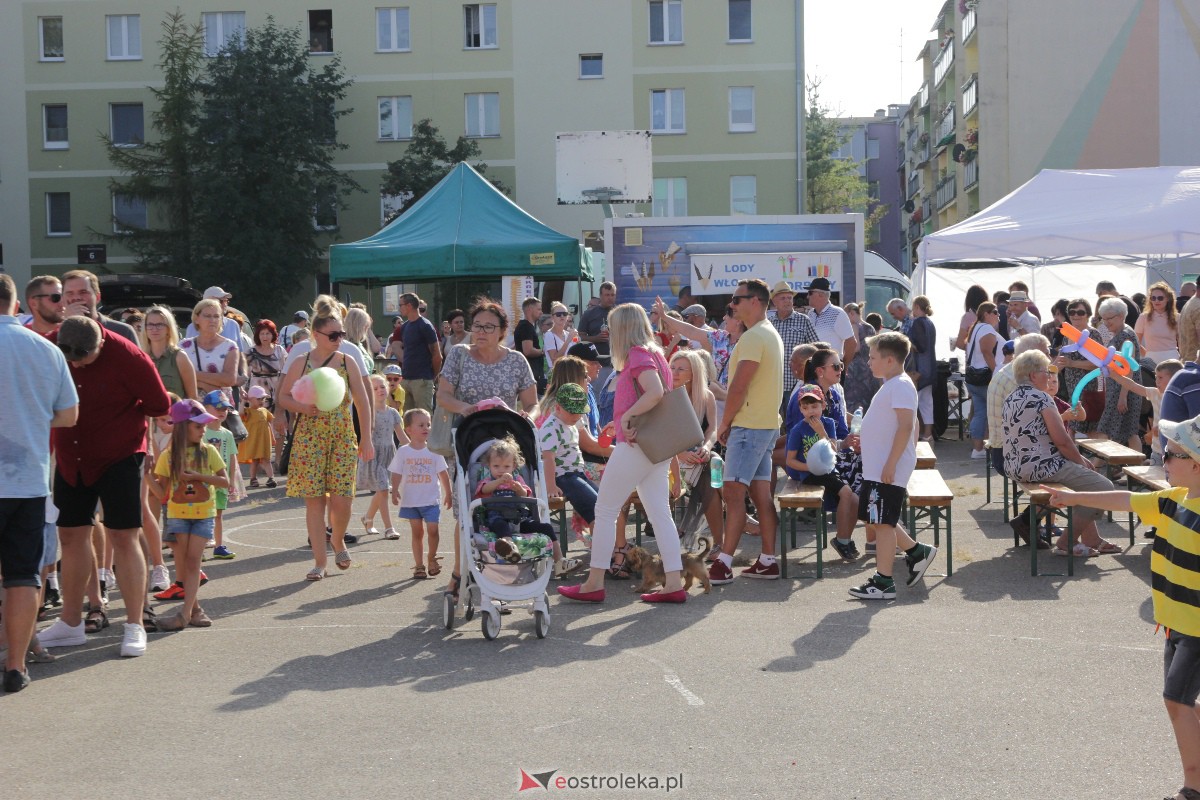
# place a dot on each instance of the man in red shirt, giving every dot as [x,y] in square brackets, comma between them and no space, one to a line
[100,460]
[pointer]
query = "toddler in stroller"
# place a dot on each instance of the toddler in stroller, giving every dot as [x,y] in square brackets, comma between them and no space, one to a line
[502,461]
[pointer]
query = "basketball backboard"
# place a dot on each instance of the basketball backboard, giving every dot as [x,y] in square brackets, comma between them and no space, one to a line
[603,166]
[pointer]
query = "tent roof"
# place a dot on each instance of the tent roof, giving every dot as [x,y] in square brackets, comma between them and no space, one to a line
[464,228]
[1079,213]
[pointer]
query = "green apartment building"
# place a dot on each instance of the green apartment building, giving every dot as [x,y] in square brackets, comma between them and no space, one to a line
[717,81]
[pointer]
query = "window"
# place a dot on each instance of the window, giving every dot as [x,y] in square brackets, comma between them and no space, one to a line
[391,30]
[54,127]
[390,205]
[483,114]
[395,118]
[128,126]
[743,194]
[591,65]
[481,25]
[50,38]
[220,27]
[58,213]
[320,31]
[872,148]
[739,21]
[325,211]
[124,37]
[666,111]
[670,197]
[666,22]
[741,109]
[325,122]
[129,213]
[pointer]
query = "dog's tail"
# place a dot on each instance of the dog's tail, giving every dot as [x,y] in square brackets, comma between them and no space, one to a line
[707,547]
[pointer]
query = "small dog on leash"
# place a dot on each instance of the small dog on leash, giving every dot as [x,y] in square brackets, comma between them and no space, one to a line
[650,567]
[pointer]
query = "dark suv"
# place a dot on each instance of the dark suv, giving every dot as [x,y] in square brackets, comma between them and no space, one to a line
[138,290]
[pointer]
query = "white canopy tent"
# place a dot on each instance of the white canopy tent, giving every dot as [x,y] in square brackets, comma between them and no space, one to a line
[1061,233]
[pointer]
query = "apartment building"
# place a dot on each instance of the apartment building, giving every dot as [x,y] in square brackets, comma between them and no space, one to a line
[715,80]
[873,143]
[1015,87]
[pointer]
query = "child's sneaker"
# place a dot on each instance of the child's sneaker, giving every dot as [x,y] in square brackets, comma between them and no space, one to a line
[848,551]
[877,588]
[222,552]
[160,578]
[919,562]
[760,571]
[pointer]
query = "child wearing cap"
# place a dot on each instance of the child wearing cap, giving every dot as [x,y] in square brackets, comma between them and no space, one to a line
[395,392]
[255,449]
[189,472]
[1175,572]
[562,460]
[217,405]
[812,428]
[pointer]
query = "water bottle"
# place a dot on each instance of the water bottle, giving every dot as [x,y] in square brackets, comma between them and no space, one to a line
[716,471]
[856,421]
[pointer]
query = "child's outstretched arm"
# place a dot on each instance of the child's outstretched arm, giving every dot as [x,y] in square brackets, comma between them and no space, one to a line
[1106,501]
[1126,382]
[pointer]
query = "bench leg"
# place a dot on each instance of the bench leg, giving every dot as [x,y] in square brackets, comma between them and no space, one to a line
[987,471]
[1033,533]
[822,538]
[950,543]
[786,520]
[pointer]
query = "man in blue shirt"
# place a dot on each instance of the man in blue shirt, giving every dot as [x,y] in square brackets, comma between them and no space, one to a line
[422,355]
[36,394]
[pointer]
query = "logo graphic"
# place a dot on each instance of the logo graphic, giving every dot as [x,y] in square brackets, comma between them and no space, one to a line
[538,780]
[818,271]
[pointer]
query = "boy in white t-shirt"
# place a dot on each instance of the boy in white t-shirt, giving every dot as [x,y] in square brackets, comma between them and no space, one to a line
[420,483]
[888,462]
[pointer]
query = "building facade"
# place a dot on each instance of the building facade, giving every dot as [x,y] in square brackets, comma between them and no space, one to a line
[872,142]
[715,80]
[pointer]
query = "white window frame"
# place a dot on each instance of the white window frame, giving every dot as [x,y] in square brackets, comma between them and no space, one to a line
[741,126]
[49,218]
[117,217]
[42,39]
[131,44]
[475,22]
[592,57]
[394,44]
[664,10]
[666,96]
[729,21]
[734,195]
[395,102]
[667,202]
[480,101]
[224,31]
[112,128]
[46,143]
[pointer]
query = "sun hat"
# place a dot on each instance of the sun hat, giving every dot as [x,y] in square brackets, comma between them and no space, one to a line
[1186,434]
[783,287]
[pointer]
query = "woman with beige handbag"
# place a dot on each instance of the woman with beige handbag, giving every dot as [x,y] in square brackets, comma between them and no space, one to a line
[644,372]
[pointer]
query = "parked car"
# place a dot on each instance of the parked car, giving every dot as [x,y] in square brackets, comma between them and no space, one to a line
[140,290]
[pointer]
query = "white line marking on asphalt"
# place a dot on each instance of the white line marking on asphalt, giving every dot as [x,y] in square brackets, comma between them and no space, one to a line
[357,550]
[670,676]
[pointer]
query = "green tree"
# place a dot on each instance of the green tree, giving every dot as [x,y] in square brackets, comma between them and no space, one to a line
[834,185]
[426,161]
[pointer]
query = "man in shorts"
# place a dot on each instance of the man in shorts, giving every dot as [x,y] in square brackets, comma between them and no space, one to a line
[749,426]
[100,461]
[36,394]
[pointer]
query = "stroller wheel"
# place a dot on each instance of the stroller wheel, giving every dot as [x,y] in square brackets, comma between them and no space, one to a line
[490,622]
[448,611]
[541,624]
[469,611]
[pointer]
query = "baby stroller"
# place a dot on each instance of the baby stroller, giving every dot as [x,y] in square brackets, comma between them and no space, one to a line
[486,578]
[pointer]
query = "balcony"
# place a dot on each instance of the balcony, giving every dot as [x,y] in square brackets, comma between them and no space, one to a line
[923,99]
[947,190]
[971,174]
[970,95]
[914,231]
[927,209]
[914,184]
[912,140]
[943,62]
[945,125]
[968,24]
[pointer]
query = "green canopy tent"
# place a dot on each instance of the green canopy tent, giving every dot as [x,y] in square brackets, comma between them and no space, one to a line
[463,229]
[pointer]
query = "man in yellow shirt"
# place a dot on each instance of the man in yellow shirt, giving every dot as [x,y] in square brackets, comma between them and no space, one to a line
[748,428]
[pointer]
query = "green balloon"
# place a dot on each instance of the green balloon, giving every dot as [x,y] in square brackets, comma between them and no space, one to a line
[331,389]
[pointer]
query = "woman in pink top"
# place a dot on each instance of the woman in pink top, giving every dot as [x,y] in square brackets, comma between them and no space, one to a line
[1156,328]
[644,381]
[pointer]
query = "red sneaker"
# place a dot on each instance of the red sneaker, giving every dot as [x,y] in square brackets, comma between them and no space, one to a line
[761,571]
[172,592]
[719,574]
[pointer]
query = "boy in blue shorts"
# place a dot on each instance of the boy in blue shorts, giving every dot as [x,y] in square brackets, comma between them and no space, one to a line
[1175,571]
[889,455]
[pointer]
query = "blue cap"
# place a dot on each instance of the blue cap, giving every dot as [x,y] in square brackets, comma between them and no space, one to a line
[217,399]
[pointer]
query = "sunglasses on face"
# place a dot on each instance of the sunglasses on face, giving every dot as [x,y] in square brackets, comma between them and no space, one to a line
[74,353]
[737,298]
[834,367]
[332,336]
[393,380]
[1169,454]
[1077,312]
[1158,298]
[54,298]
[562,313]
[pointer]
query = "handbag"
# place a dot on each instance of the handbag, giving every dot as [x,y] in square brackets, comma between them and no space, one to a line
[285,456]
[976,376]
[441,439]
[669,428]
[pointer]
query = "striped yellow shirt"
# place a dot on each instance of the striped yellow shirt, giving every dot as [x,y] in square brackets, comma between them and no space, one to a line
[1175,561]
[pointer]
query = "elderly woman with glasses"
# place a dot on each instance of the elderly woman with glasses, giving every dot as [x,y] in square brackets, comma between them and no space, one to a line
[1122,408]
[1073,367]
[1157,328]
[1038,449]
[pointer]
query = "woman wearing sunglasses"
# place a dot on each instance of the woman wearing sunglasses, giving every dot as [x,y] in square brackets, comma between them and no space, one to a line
[1158,328]
[557,340]
[1072,367]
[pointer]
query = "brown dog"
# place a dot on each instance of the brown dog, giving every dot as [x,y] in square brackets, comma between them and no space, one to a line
[650,567]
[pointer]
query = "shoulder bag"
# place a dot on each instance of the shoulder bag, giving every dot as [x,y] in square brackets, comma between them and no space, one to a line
[669,428]
[976,376]
[441,439]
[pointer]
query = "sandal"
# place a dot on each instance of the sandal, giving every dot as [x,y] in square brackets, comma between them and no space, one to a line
[271,484]
[566,566]
[1108,549]
[315,574]
[342,560]
[149,620]
[434,567]
[253,483]
[419,572]
[452,589]
[95,621]
[619,571]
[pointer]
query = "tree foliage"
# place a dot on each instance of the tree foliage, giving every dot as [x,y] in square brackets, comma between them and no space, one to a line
[243,154]
[834,185]
[426,161]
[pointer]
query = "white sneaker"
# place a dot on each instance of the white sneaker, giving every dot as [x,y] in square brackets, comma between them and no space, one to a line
[134,643]
[60,634]
[160,578]
[391,533]
[978,454]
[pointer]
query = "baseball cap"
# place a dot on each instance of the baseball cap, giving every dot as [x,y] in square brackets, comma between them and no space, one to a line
[695,308]
[1186,434]
[189,411]
[301,315]
[1009,348]
[392,369]
[573,398]
[813,391]
[217,399]
[585,350]
[819,285]
[216,293]
[783,287]
[256,391]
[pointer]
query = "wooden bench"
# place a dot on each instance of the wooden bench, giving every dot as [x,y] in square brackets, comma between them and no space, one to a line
[789,507]
[1114,454]
[931,500]
[1152,477]
[1039,498]
[926,458]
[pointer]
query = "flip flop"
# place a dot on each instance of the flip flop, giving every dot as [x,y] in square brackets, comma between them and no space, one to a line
[1109,549]
[342,560]
[1081,551]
